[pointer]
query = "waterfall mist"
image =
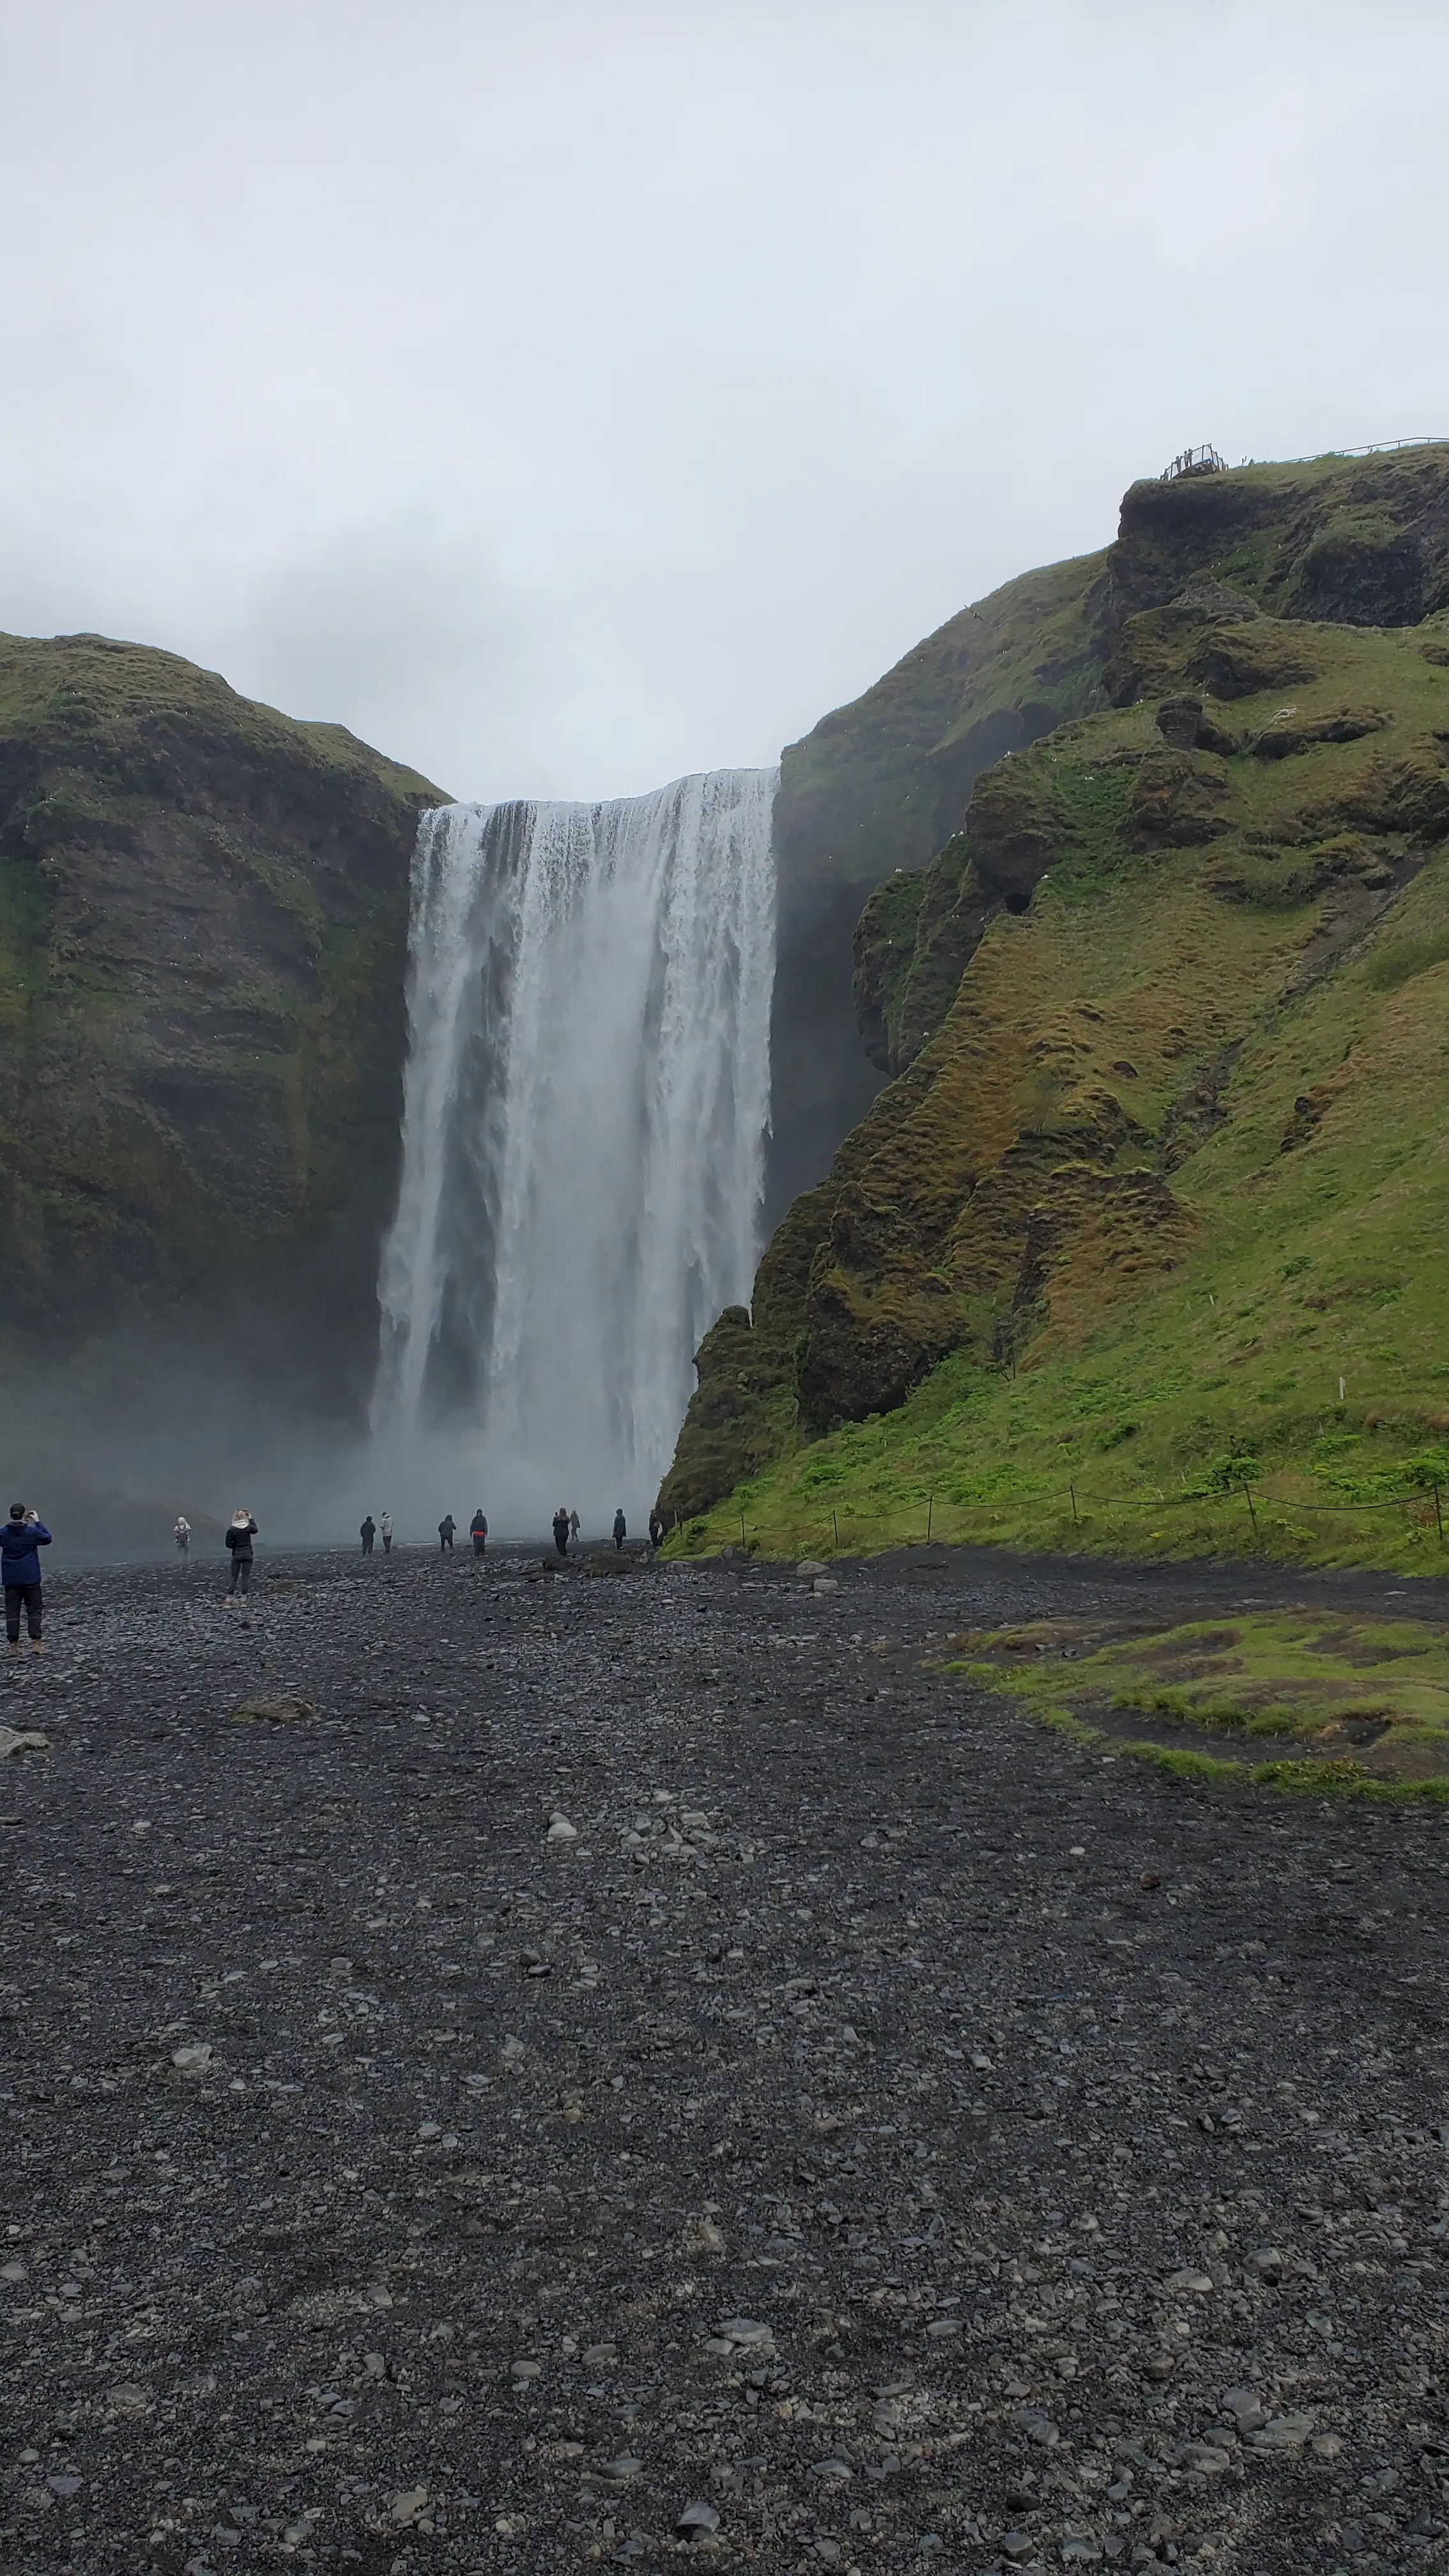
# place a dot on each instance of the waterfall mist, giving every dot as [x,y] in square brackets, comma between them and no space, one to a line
[585,1115]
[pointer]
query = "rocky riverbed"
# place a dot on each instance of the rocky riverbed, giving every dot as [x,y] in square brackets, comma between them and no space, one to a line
[612,2070]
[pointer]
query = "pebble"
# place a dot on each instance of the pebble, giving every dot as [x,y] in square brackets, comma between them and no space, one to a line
[22,1739]
[696,2518]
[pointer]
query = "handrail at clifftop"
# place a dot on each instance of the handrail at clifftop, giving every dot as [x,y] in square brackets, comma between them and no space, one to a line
[1206,460]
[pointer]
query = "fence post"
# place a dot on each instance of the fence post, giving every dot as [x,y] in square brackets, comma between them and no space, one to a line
[835,1525]
[1439,1512]
[1248,1499]
[742,1530]
[930,1509]
[1071,1489]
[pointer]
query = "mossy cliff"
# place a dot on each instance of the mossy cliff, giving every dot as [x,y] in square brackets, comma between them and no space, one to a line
[203,927]
[882,785]
[878,786]
[1164,1155]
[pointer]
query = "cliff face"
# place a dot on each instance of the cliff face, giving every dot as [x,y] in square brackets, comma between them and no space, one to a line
[883,785]
[1074,993]
[203,928]
[878,786]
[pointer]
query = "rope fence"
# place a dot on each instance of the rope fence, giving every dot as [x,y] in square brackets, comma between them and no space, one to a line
[1422,1495]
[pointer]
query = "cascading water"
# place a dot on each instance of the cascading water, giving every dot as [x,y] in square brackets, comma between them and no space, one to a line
[586,1106]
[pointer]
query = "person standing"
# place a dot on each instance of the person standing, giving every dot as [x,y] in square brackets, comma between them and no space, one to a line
[574,1527]
[240,1533]
[561,1529]
[446,1527]
[368,1533]
[182,1535]
[21,1539]
[478,1530]
[656,1528]
[384,1531]
[620,1531]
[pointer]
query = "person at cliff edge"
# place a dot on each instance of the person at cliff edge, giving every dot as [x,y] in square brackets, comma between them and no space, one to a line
[241,1530]
[21,1540]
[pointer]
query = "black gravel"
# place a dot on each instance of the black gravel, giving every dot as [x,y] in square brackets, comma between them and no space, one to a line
[885,2129]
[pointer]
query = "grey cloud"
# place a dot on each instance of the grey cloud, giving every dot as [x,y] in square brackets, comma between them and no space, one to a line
[565,397]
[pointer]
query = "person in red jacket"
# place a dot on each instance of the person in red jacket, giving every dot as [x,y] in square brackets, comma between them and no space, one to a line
[21,1539]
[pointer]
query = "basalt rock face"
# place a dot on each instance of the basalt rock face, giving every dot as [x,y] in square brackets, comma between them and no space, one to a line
[203,929]
[1128,907]
[1356,541]
[879,786]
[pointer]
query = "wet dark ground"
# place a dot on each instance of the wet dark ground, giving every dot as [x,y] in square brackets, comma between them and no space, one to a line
[884,2131]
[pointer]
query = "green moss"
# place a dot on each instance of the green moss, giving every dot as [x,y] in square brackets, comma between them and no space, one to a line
[203,917]
[1358,1705]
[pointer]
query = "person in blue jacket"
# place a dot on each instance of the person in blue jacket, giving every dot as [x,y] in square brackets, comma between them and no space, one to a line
[21,1539]
[620,1527]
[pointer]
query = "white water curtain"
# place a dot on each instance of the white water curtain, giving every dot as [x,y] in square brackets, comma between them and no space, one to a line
[586,1108]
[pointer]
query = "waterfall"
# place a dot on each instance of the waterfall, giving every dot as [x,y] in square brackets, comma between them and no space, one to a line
[585,1111]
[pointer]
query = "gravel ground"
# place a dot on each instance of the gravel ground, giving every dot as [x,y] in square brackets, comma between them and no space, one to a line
[871,2133]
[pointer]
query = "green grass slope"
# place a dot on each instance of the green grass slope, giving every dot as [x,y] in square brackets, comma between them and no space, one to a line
[1174,1168]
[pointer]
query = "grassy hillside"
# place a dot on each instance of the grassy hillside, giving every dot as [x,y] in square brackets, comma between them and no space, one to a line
[1174,1163]
[880,787]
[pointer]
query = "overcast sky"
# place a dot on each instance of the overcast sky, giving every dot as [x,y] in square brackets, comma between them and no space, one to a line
[568,393]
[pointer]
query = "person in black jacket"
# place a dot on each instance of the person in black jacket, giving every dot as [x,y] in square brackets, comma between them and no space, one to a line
[240,1533]
[561,1529]
[620,1527]
[20,1539]
[446,1527]
[367,1534]
[478,1530]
